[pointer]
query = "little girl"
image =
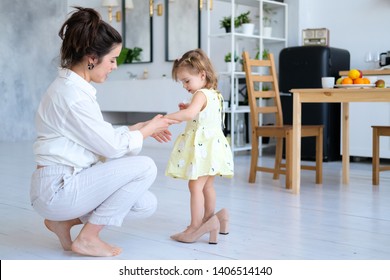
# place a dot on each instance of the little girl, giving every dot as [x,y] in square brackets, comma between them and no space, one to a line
[202,151]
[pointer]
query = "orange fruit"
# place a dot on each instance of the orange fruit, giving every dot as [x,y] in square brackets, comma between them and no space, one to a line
[367,81]
[359,81]
[354,74]
[347,81]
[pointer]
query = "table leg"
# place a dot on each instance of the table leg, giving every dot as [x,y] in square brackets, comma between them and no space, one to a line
[296,143]
[345,142]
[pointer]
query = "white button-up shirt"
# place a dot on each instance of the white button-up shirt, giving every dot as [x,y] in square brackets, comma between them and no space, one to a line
[71,130]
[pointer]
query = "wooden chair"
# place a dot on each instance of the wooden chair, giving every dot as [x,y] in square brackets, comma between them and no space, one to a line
[254,82]
[378,131]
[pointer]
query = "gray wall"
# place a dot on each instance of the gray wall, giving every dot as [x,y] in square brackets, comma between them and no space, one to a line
[29,57]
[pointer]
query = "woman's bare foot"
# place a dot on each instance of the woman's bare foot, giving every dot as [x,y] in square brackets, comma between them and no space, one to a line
[88,243]
[62,230]
[94,247]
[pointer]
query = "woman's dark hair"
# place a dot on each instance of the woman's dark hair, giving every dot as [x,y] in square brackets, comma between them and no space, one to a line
[85,33]
[196,61]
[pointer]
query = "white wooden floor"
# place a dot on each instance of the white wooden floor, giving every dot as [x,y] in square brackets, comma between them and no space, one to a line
[325,222]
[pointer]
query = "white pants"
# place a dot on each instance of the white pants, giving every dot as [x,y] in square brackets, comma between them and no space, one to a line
[102,194]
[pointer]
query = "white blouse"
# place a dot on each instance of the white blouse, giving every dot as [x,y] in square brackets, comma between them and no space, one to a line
[71,129]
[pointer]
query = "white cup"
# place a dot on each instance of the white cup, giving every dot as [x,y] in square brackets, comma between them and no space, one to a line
[327,82]
[225,105]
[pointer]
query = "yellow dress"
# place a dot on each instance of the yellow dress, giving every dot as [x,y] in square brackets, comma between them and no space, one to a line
[202,149]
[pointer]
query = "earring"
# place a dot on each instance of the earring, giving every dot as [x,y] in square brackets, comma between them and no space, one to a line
[91,66]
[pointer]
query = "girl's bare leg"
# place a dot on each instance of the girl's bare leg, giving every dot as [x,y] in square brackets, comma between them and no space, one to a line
[62,230]
[89,243]
[197,202]
[209,199]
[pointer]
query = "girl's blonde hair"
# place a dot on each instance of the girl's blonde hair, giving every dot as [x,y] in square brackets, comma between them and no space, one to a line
[196,61]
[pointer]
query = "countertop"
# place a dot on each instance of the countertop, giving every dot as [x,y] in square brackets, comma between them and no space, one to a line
[368,72]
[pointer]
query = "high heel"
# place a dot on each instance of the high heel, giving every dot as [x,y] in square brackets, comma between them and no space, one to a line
[211,226]
[223,217]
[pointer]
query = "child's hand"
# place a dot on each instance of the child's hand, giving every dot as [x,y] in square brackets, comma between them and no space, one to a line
[183,105]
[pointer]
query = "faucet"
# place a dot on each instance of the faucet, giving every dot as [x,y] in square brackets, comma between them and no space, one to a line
[132,76]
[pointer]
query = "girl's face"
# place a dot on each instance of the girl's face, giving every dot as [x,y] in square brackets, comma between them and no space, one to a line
[100,72]
[191,82]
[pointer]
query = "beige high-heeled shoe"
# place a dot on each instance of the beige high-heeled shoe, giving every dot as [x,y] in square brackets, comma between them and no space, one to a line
[211,226]
[223,217]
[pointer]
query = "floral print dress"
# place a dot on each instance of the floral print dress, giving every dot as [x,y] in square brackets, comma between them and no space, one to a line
[202,149]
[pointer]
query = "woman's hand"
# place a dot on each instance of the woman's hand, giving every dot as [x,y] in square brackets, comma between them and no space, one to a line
[163,136]
[157,125]
[137,126]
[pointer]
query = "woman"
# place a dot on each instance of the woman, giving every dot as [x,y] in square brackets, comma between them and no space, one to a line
[86,170]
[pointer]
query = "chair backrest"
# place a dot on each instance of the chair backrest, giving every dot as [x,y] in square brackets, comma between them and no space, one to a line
[262,82]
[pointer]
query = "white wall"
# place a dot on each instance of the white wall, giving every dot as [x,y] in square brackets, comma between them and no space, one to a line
[29,56]
[356,25]
[28,61]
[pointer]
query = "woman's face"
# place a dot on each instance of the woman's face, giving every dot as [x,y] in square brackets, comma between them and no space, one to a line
[100,72]
[191,82]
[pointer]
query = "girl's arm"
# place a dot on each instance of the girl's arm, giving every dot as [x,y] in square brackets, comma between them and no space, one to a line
[197,104]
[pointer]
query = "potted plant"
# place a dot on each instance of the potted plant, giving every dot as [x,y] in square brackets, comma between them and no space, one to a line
[246,23]
[128,55]
[264,55]
[228,60]
[268,13]
[228,57]
[226,22]
[133,55]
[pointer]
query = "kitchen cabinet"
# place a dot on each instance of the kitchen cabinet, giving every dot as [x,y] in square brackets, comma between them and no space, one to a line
[220,43]
[363,116]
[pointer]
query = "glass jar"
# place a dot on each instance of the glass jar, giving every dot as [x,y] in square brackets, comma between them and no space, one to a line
[240,133]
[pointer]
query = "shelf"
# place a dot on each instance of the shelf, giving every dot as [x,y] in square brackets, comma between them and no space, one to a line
[236,42]
[240,109]
[239,35]
[252,3]
[273,39]
[236,74]
[276,3]
[244,36]
[243,148]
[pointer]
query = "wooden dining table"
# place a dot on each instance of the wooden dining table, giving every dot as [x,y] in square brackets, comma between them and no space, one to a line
[329,95]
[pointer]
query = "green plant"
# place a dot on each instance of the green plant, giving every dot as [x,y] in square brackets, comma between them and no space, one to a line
[228,57]
[265,87]
[244,18]
[134,55]
[268,13]
[128,55]
[226,22]
[264,55]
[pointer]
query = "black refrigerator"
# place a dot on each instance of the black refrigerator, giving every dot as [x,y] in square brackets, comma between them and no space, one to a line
[303,67]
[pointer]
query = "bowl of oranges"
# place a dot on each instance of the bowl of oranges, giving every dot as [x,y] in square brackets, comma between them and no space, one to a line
[354,79]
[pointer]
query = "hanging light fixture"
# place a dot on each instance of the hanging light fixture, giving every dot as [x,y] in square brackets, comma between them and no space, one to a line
[110,4]
[159,9]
